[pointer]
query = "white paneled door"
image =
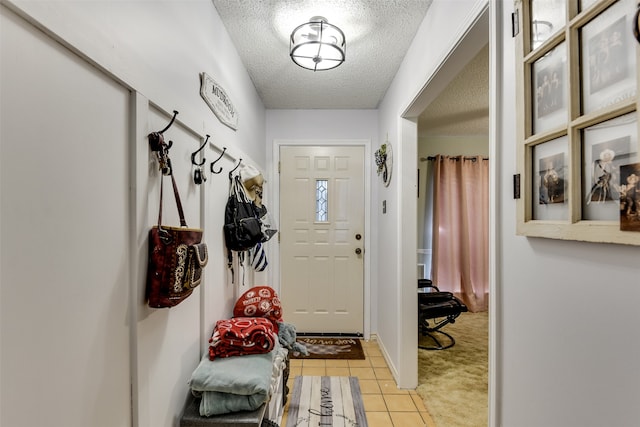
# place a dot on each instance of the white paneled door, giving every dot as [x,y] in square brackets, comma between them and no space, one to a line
[322,238]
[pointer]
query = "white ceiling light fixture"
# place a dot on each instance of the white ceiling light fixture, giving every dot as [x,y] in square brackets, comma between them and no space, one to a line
[317,45]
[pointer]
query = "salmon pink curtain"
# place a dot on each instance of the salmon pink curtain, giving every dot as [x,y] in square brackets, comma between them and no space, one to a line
[461,228]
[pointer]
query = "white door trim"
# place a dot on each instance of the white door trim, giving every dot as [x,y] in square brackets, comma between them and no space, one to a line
[274,274]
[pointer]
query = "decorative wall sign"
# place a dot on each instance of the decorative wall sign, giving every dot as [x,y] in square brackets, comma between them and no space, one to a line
[218,100]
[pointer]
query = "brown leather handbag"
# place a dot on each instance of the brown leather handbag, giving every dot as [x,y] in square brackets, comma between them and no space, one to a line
[176,259]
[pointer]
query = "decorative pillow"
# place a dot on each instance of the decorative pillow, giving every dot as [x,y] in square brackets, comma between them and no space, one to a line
[259,301]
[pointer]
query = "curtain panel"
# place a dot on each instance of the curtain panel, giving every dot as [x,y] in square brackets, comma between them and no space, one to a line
[461,228]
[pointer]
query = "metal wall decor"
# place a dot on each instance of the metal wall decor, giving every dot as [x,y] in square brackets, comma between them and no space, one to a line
[384,162]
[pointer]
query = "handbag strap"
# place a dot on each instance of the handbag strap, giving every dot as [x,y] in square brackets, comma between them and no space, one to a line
[183,222]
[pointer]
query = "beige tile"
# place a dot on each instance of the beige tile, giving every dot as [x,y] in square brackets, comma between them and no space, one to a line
[295,362]
[295,371]
[407,419]
[363,373]
[400,403]
[337,363]
[338,372]
[373,352]
[369,387]
[383,373]
[427,419]
[385,404]
[314,363]
[390,387]
[373,403]
[378,419]
[314,372]
[359,363]
[419,402]
[378,362]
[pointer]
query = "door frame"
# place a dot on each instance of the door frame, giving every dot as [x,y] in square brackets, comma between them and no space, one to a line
[274,274]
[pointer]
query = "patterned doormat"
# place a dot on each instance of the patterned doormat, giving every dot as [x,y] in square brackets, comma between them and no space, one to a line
[330,348]
[326,401]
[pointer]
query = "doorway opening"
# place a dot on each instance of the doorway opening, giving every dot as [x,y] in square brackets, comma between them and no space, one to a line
[452,115]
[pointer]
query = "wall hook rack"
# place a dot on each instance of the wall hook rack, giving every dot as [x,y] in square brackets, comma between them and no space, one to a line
[195,153]
[233,170]
[216,161]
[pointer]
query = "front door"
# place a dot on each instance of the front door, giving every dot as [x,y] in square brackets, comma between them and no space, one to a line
[322,238]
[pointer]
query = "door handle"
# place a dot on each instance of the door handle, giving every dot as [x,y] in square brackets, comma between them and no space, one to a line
[358,251]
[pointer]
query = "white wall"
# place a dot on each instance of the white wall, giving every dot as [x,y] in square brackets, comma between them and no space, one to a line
[445,24]
[568,313]
[83,83]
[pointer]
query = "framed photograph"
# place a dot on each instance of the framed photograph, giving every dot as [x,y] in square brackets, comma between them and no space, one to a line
[549,90]
[551,179]
[606,147]
[607,56]
[630,197]
[607,66]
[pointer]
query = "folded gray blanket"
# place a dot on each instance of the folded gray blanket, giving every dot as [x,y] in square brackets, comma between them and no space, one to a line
[237,383]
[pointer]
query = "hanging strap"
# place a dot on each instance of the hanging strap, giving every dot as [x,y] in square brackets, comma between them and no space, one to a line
[183,222]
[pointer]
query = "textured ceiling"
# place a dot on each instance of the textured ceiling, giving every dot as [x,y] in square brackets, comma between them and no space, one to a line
[378,34]
[463,106]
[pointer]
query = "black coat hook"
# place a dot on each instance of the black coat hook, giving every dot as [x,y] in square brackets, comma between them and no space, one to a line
[193,155]
[232,170]
[216,161]
[175,113]
[636,24]
[156,140]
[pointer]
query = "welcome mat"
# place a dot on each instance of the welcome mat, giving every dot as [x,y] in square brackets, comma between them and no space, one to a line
[330,348]
[326,401]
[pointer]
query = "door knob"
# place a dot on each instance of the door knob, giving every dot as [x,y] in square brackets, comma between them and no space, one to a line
[358,236]
[358,251]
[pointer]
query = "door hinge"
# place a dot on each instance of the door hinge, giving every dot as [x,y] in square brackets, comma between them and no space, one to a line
[278,166]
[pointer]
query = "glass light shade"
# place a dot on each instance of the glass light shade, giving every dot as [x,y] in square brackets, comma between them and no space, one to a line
[317,45]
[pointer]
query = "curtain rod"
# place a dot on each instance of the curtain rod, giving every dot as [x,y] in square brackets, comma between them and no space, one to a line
[431,158]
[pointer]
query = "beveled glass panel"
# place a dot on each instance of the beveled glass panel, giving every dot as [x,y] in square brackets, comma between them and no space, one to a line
[549,90]
[550,180]
[608,60]
[322,200]
[606,147]
[547,18]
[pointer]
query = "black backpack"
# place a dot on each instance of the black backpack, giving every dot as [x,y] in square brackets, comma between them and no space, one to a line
[242,225]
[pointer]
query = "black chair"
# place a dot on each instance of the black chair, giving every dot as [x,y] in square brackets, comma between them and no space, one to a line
[435,310]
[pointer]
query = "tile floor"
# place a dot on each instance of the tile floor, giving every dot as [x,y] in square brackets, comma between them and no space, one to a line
[384,404]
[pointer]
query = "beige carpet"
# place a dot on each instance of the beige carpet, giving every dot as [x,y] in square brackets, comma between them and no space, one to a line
[454,382]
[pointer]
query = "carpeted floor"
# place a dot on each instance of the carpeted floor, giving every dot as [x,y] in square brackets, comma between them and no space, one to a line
[454,382]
